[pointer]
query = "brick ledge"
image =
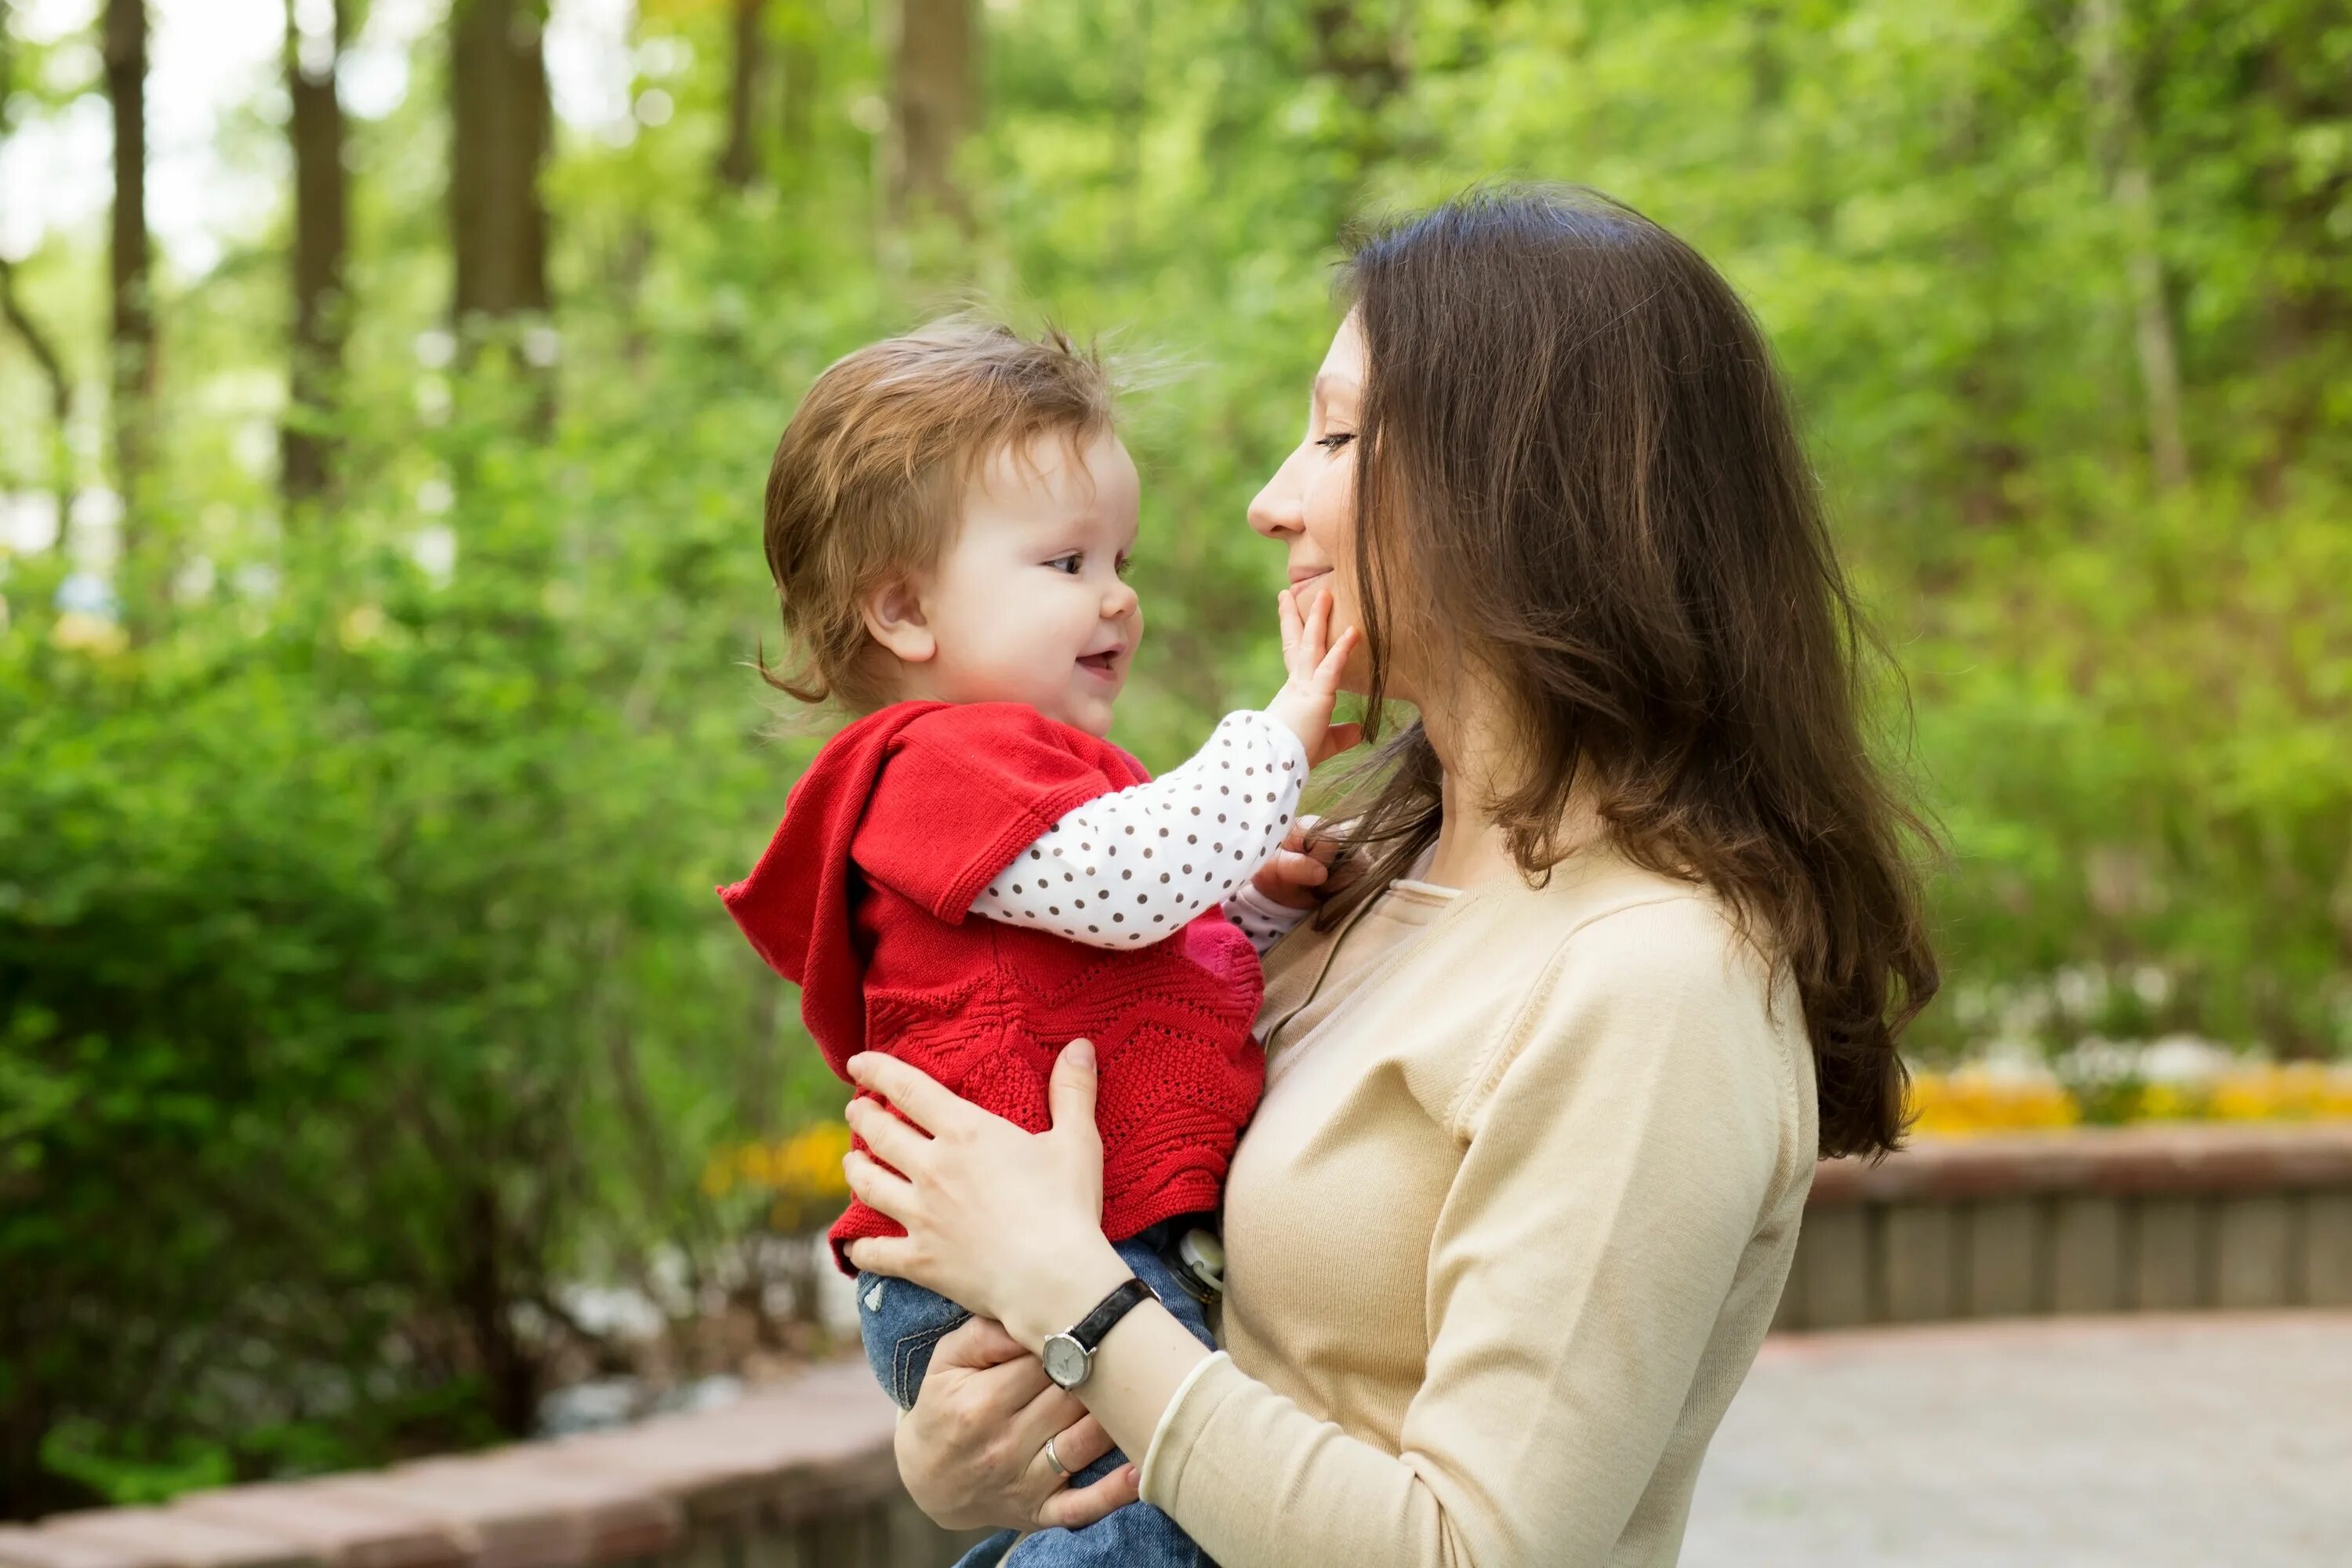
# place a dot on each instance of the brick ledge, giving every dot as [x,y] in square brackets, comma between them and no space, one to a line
[817,1445]
[2203,1158]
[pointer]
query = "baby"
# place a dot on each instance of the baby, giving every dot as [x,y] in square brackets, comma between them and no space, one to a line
[968,876]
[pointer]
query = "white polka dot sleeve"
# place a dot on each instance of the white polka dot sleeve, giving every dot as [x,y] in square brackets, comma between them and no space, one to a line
[1126,870]
[1259,918]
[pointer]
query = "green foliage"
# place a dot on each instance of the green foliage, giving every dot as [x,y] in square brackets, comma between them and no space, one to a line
[360,978]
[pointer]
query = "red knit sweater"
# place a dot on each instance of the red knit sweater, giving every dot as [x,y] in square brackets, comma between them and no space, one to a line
[861,898]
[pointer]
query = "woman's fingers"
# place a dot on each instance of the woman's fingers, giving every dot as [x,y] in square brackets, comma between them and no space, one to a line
[1074,1508]
[918,1096]
[982,1342]
[893,1143]
[880,1190]
[1081,1443]
[891,1255]
[1286,604]
[1049,1409]
[1070,1093]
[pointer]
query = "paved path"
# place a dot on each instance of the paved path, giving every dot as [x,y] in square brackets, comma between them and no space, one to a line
[2216,1441]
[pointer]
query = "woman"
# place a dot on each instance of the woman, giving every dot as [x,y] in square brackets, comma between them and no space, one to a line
[1628,935]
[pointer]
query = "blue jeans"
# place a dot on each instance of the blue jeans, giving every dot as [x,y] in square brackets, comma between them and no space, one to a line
[903,1324]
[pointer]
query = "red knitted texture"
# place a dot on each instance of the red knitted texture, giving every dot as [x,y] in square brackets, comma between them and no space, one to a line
[861,898]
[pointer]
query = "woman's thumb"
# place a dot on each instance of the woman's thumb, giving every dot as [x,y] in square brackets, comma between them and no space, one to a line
[1071,1093]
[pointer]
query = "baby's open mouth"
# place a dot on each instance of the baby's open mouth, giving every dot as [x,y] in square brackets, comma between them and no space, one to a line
[1102,663]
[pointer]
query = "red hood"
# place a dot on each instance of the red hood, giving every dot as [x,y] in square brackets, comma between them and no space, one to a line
[795,904]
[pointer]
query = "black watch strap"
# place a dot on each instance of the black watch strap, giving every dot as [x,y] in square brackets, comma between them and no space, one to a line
[1089,1329]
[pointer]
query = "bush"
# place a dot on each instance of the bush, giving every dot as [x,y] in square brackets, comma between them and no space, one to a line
[359,972]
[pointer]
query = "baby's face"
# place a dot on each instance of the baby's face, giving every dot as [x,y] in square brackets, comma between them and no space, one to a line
[1030,603]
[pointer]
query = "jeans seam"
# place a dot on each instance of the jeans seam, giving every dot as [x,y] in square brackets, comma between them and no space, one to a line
[903,1354]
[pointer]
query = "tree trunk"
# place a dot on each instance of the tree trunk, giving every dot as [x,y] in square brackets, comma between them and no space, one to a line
[741,158]
[2124,162]
[499,140]
[933,106]
[1361,51]
[53,371]
[20,321]
[799,86]
[321,217]
[132,273]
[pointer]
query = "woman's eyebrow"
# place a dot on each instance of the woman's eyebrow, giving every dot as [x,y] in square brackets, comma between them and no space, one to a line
[1330,382]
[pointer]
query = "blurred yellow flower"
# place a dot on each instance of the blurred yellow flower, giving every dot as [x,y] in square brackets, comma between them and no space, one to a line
[798,1177]
[89,633]
[1974,1100]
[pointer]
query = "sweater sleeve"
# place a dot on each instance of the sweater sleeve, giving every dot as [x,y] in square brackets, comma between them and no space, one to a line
[1620,1144]
[1129,868]
[1260,918]
[966,786]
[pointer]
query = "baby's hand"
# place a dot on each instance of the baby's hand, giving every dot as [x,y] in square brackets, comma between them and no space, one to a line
[1301,866]
[1314,660]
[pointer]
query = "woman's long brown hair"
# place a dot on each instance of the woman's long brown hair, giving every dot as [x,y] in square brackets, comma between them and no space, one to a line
[1577,473]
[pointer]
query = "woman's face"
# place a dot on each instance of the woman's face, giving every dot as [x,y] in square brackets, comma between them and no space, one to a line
[1309,504]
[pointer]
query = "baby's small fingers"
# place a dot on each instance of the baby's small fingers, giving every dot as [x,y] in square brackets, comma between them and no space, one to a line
[1341,738]
[1301,870]
[1327,672]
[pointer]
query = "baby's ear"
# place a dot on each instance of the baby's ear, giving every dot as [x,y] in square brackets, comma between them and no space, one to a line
[894,618]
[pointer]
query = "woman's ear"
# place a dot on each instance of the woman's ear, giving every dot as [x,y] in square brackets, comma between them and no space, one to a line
[894,618]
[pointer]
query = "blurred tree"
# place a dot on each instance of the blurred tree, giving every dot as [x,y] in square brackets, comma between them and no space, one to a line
[316,32]
[13,310]
[499,140]
[799,55]
[740,159]
[934,104]
[123,46]
[2122,152]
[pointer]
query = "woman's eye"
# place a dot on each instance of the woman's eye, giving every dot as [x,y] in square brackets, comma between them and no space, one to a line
[1069,565]
[1334,441]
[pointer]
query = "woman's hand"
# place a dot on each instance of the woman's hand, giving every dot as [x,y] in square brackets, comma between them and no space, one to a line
[1007,1223]
[972,1451]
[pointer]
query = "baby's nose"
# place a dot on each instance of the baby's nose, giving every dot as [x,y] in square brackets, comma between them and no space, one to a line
[1119,602]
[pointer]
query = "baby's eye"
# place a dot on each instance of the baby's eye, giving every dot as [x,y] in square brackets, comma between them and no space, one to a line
[1334,441]
[1124,563]
[1068,565]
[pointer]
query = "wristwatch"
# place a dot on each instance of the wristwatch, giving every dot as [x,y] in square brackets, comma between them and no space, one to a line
[1069,1356]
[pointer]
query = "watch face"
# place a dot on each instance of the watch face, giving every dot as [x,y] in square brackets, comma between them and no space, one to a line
[1067,1361]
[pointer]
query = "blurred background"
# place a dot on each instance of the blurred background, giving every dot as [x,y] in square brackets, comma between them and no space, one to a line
[387,386]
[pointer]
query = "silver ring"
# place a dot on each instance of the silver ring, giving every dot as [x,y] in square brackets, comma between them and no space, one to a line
[1055,1459]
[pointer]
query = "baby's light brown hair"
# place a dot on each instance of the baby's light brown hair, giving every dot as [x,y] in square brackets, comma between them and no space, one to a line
[870,475]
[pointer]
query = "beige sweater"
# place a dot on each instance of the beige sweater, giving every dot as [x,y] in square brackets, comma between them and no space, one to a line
[1505,1235]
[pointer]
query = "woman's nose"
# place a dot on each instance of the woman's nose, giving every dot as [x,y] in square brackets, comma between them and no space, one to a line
[1279,507]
